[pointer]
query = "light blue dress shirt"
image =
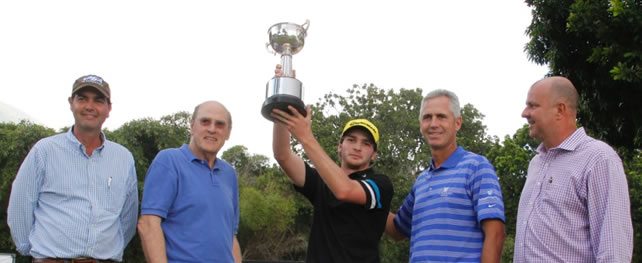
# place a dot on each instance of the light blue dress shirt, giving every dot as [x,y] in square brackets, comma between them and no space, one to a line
[67,204]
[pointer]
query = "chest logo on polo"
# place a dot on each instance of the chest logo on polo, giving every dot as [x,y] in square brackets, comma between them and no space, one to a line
[444,191]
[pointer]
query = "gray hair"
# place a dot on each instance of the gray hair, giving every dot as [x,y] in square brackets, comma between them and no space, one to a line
[452,97]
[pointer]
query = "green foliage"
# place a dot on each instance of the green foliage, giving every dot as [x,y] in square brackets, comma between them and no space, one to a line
[508,251]
[246,164]
[266,224]
[269,208]
[146,137]
[472,134]
[633,169]
[511,160]
[392,251]
[598,45]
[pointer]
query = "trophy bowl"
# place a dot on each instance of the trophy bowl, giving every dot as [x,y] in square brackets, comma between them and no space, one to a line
[284,36]
[285,90]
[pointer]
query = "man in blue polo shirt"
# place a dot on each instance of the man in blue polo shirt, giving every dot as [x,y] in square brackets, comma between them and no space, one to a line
[190,209]
[454,211]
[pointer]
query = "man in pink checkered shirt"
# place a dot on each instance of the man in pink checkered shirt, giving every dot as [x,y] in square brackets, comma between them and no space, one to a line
[575,204]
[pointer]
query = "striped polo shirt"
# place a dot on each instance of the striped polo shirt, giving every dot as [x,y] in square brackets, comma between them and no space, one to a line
[442,214]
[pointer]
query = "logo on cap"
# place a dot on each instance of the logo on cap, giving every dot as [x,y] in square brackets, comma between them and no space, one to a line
[364,124]
[93,79]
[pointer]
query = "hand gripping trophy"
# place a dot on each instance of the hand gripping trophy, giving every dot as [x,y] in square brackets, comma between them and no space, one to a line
[286,39]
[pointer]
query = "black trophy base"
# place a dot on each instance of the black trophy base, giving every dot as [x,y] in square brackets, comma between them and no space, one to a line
[281,102]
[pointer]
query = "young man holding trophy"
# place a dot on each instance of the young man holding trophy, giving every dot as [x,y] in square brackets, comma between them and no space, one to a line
[351,201]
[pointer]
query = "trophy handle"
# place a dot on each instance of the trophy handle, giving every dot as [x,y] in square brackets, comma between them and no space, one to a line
[306,25]
[269,48]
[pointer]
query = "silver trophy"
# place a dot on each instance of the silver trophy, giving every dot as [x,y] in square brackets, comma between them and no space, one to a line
[286,39]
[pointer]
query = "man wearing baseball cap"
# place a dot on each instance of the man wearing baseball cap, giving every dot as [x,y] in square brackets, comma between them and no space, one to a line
[351,201]
[75,196]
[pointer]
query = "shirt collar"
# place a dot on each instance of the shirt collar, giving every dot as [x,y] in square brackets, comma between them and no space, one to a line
[452,160]
[71,137]
[361,174]
[190,156]
[569,144]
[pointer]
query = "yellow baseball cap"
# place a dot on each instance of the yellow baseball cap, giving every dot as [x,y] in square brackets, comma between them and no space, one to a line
[364,124]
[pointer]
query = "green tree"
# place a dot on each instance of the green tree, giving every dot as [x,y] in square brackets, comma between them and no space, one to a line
[472,134]
[146,137]
[511,159]
[269,207]
[252,165]
[633,169]
[598,46]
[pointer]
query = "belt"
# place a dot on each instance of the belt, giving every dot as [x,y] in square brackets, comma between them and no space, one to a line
[69,260]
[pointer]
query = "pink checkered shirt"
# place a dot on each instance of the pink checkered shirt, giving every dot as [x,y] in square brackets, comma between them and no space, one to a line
[575,205]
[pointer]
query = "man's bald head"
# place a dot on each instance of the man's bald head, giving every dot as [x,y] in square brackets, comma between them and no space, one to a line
[560,89]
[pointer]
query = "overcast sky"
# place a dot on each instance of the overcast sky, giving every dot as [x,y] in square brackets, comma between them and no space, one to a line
[161,57]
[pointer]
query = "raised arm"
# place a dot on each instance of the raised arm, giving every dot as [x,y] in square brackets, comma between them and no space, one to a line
[291,163]
[334,177]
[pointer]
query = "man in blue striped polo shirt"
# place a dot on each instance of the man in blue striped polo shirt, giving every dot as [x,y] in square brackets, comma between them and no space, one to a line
[454,211]
[75,195]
